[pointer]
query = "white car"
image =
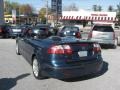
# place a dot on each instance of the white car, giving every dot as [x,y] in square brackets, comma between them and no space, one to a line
[103,34]
[118,40]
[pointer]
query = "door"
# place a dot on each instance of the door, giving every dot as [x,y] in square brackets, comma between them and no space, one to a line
[28,48]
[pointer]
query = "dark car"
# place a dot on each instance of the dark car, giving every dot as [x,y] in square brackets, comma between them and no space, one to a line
[60,57]
[41,31]
[15,31]
[4,31]
[70,31]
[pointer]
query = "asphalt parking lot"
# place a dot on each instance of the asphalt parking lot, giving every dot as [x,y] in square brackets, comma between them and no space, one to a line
[16,73]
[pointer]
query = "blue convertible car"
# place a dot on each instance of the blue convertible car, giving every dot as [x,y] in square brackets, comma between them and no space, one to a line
[59,57]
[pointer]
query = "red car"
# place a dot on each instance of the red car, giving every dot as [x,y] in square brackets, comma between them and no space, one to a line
[4,31]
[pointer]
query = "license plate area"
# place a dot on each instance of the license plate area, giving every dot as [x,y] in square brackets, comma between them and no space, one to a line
[82,53]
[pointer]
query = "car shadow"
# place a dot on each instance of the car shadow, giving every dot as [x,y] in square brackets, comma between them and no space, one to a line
[91,76]
[8,83]
[106,47]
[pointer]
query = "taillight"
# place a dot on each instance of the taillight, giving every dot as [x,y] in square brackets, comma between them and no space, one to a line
[78,35]
[113,35]
[96,48]
[67,49]
[90,35]
[60,49]
[0,30]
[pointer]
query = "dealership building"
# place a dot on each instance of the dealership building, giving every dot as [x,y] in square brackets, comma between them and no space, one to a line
[87,16]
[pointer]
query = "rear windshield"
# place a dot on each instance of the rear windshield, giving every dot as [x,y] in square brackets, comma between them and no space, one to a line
[40,29]
[103,28]
[70,29]
[15,27]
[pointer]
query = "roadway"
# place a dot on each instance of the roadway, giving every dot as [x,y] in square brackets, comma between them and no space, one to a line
[16,73]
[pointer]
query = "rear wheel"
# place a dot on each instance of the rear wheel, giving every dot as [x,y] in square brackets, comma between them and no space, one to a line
[13,37]
[118,41]
[36,68]
[1,37]
[17,50]
[115,44]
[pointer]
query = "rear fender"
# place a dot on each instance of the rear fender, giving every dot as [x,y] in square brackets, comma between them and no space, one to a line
[37,53]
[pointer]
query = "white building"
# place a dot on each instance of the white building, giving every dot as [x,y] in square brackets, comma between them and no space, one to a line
[1,12]
[88,16]
[97,17]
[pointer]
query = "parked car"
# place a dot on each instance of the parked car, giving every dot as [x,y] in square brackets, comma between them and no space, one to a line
[60,57]
[117,27]
[104,35]
[42,31]
[15,31]
[4,31]
[118,40]
[70,31]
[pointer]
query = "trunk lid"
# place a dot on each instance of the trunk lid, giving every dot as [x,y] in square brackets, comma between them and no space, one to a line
[82,50]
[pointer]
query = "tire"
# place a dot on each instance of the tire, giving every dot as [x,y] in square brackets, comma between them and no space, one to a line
[1,37]
[17,49]
[115,44]
[12,37]
[36,68]
[6,36]
[118,41]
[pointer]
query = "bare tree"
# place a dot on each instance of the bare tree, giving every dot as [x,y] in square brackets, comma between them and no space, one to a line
[97,8]
[118,7]
[110,8]
[94,8]
[118,13]
[71,7]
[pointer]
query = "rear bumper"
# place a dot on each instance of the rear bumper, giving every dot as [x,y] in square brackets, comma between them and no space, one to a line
[74,71]
[3,35]
[14,34]
[104,42]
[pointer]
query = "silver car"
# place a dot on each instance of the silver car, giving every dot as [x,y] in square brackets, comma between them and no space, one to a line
[118,40]
[103,34]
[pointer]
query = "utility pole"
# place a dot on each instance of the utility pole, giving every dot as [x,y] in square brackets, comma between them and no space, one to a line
[57,12]
[56,9]
[46,11]
[1,12]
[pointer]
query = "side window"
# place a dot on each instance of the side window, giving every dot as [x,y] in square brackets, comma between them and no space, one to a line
[27,33]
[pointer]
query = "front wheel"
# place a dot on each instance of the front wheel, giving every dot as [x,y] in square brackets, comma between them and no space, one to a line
[36,68]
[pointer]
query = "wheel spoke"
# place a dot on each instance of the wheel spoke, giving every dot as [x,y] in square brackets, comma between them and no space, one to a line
[35,68]
[17,48]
